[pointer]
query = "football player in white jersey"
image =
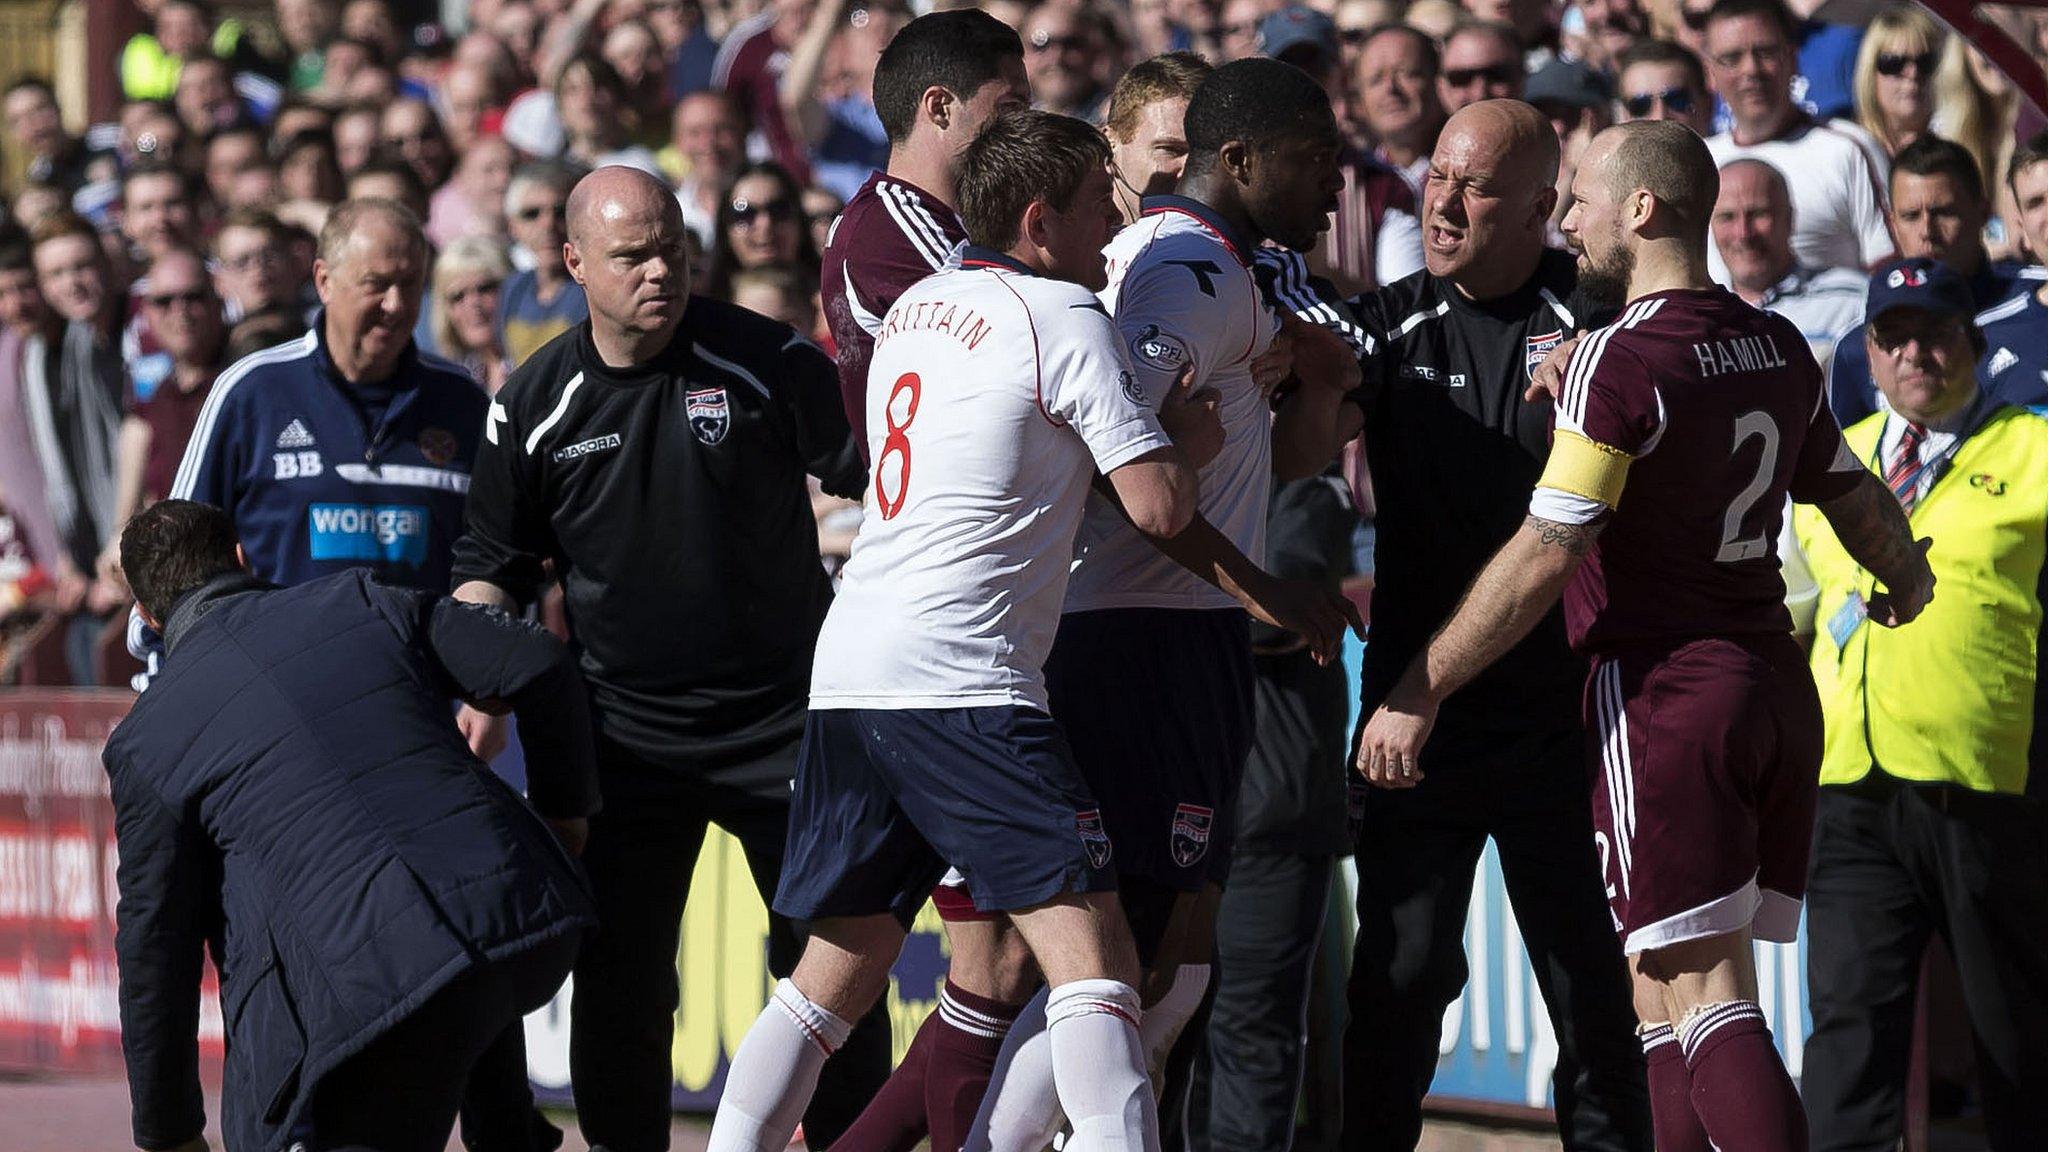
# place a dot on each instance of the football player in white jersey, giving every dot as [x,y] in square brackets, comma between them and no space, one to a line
[1151,673]
[998,392]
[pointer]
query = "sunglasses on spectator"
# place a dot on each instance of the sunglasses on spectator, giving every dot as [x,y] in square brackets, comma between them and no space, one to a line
[1695,18]
[1893,333]
[1354,36]
[535,212]
[823,215]
[777,211]
[487,288]
[1895,63]
[1643,103]
[192,297]
[1492,74]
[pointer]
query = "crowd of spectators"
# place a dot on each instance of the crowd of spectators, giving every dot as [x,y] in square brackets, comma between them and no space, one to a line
[141,257]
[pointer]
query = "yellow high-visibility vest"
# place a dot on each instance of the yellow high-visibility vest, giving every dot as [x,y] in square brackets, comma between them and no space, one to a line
[1949,698]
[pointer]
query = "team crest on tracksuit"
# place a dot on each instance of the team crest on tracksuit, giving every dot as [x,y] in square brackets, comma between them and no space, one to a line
[1191,824]
[1093,836]
[709,412]
[1541,347]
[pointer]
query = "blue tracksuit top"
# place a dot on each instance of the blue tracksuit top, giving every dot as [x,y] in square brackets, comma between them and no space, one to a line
[319,480]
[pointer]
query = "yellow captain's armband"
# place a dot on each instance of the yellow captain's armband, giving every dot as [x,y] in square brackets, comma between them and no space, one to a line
[1585,468]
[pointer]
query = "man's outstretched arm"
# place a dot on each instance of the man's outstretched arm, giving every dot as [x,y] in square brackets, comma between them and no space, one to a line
[1514,591]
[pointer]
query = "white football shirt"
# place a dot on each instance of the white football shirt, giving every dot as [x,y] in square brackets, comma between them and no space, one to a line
[1181,289]
[994,397]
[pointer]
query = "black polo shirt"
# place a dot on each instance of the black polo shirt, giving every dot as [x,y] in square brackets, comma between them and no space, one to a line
[1454,451]
[671,499]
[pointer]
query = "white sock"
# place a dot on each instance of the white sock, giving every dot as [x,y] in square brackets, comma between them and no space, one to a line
[774,1073]
[1099,1065]
[1166,1020]
[1020,1111]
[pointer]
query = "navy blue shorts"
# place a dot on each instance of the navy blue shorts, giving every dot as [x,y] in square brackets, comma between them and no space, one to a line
[1158,705]
[885,800]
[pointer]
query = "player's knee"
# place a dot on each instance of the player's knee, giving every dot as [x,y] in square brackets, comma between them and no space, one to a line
[845,965]
[1691,973]
[1651,1005]
[1080,936]
[991,960]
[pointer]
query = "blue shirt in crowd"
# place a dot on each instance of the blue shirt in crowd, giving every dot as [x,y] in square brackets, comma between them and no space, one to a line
[2015,364]
[524,323]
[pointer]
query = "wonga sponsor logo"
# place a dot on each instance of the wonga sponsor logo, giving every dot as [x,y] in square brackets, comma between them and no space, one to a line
[392,533]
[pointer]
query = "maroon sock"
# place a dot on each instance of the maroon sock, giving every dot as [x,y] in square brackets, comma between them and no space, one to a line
[963,1059]
[1676,1125]
[894,1120]
[1740,1089]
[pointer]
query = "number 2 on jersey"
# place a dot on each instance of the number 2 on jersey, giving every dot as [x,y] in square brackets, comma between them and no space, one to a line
[1734,546]
[896,445]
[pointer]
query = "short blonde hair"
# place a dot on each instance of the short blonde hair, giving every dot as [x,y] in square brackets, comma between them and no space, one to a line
[1169,76]
[466,256]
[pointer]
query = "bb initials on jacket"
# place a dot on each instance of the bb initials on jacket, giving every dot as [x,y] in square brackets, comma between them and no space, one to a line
[1742,354]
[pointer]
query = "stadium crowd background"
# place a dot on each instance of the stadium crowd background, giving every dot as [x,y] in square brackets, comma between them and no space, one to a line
[143,256]
[240,132]
[180,236]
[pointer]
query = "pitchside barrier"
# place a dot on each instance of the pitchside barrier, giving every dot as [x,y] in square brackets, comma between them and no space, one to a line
[59,1010]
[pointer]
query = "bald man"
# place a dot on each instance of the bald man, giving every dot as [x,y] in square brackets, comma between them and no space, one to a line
[1454,446]
[1752,229]
[656,454]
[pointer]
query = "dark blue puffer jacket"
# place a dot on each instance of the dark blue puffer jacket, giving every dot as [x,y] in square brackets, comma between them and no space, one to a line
[293,791]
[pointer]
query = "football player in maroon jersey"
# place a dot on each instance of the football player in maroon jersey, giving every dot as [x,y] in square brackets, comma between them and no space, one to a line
[1707,413]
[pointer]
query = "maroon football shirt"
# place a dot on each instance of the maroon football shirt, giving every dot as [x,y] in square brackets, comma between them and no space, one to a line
[890,235]
[1725,412]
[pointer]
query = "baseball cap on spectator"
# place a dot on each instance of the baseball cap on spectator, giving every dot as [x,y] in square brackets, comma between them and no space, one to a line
[1301,36]
[1918,282]
[1567,84]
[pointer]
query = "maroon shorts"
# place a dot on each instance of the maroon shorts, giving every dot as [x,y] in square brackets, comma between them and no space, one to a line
[954,903]
[1706,762]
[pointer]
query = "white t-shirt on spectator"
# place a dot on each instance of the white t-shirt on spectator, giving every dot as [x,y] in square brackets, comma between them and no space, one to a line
[1838,195]
[1824,302]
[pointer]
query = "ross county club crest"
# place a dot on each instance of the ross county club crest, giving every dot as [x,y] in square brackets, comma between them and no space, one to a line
[709,412]
[1191,824]
[1541,347]
[1089,824]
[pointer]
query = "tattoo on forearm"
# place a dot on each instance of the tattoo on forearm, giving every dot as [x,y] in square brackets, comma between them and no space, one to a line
[1576,539]
[1874,529]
